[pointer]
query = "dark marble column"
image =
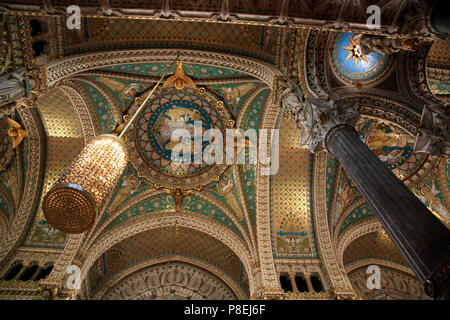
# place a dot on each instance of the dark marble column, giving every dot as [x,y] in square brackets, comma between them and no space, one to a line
[439,18]
[422,239]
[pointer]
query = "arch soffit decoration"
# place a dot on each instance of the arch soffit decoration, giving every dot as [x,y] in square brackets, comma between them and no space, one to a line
[367,262]
[117,278]
[87,122]
[325,244]
[354,232]
[34,177]
[126,230]
[357,231]
[101,229]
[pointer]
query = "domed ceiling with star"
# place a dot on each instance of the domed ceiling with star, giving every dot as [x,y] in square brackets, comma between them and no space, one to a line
[351,64]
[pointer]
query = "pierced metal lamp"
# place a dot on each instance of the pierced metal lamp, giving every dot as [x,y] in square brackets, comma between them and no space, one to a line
[73,203]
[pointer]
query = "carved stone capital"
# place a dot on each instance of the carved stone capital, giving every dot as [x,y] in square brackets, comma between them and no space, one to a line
[318,117]
[433,133]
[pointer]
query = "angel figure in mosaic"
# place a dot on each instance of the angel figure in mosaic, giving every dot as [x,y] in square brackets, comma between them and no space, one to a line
[178,195]
[130,185]
[225,189]
[345,196]
[291,244]
[430,197]
[233,95]
[179,79]
[125,91]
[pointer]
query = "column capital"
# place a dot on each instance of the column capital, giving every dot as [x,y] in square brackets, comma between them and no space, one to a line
[292,273]
[433,135]
[317,117]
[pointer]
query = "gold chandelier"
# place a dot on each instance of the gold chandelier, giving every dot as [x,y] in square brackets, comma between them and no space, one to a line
[72,205]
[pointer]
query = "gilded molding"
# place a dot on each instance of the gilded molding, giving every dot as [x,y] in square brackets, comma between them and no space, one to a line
[165,219]
[32,189]
[68,66]
[81,107]
[109,97]
[84,106]
[240,191]
[354,232]
[385,263]
[344,216]
[110,283]
[270,113]
[338,279]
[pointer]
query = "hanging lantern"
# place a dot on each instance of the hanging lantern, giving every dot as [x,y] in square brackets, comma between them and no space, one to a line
[72,205]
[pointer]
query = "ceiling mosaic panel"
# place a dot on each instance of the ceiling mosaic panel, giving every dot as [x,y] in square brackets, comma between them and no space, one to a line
[439,54]
[59,116]
[192,70]
[345,196]
[251,121]
[351,65]
[360,213]
[150,143]
[167,113]
[60,152]
[105,115]
[375,245]
[439,87]
[165,202]
[226,191]
[392,145]
[101,34]
[124,91]
[166,242]
[234,94]
[128,187]
[435,194]
[156,123]
[63,143]
[292,230]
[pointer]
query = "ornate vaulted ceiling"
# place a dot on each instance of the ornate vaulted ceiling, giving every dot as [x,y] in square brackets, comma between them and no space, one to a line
[234,228]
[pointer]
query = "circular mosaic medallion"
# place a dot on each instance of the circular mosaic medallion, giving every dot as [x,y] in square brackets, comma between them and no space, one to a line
[350,65]
[169,113]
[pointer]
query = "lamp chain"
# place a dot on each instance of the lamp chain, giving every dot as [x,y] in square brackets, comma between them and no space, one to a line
[146,99]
